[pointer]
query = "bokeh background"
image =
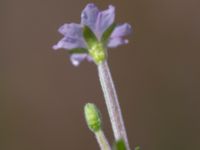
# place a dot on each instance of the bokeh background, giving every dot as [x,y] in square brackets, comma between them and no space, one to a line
[157,76]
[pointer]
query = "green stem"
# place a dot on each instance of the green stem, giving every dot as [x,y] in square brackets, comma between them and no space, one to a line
[101,139]
[112,103]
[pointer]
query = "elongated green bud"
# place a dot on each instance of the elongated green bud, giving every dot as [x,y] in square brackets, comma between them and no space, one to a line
[92,116]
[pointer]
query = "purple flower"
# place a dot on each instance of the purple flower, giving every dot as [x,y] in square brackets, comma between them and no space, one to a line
[98,22]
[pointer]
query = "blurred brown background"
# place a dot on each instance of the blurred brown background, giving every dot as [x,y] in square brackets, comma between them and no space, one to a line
[157,76]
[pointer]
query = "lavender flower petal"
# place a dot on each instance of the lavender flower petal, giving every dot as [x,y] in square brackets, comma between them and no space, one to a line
[76,59]
[121,30]
[89,16]
[73,37]
[104,20]
[115,42]
[70,43]
[72,30]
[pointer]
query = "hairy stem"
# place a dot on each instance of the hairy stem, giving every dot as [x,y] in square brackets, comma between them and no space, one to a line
[112,103]
[101,139]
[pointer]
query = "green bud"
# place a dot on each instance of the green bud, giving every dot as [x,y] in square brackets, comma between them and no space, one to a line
[92,116]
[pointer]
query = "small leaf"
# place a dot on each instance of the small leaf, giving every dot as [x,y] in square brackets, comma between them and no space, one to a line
[120,145]
[78,51]
[89,37]
[137,148]
[106,35]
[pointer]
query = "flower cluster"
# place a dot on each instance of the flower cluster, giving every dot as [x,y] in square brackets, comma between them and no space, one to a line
[90,39]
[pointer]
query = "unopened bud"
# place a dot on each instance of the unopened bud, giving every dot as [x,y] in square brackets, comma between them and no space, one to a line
[92,116]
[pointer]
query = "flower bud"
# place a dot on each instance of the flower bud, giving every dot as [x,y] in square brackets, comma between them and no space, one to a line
[92,116]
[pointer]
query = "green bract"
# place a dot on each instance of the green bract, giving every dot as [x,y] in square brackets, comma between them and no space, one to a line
[120,145]
[78,51]
[96,48]
[89,37]
[106,35]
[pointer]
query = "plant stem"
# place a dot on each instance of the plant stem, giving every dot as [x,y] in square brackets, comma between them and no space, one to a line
[101,139]
[112,103]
